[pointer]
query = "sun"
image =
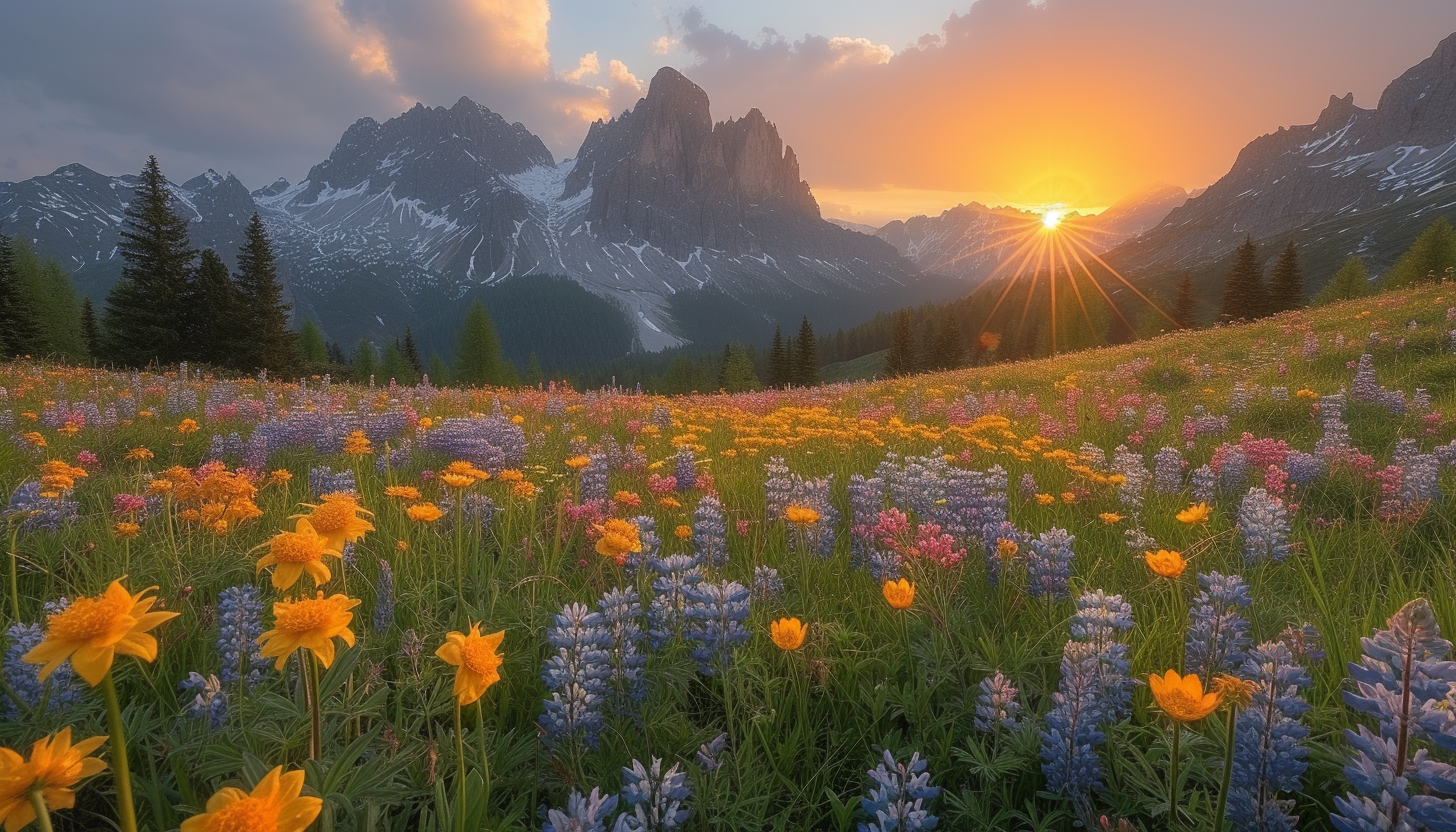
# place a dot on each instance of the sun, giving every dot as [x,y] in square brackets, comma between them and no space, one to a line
[1051,219]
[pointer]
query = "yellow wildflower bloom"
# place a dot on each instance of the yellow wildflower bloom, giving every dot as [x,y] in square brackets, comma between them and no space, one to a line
[55,767]
[308,624]
[1165,563]
[788,633]
[1195,515]
[477,657]
[1182,698]
[297,552]
[91,631]
[276,804]
[424,512]
[899,594]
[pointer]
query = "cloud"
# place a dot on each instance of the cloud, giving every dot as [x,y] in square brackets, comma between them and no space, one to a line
[1058,101]
[265,88]
[664,45]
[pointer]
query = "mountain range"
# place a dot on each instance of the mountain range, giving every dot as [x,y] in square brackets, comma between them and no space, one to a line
[668,228]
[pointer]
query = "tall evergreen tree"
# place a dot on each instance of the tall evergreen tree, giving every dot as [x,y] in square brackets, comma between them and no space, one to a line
[806,356]
[144,310]
[1286,283]
[778,360]
[901,359]
[1350,282]
[46,290]
[393,365]
[1428,258]
[411,352]
[336,354]
[266,341]
[366,363]
[948,350]
[439,371]
[211,314]
[737,375]
[478,359]
[1184,304]
[90,332]
[1244,293]
[18,331]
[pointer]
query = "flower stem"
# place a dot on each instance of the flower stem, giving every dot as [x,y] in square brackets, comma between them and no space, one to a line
[14,576]
[125,809]
[42,814]
[1228,769]
[459,772]
[484,755]
[1173,778]
[315,718]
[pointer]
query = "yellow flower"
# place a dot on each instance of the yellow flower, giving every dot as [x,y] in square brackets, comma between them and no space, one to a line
[517,419]
[899,594]
[296,552]
[1165,563]
[55,767]
[34,438]
[424,512]
[466,469]
[456,480]
[800,515]
[1069,497]
[788,633]
[1006,548]
[683,532]
[126,529]
[510,475]
[139,455]
[618,539]
[401,545]
[426,423]
[276,804]
[308,624]
[91,631]
[403,492]
[357,444]
[1182,698]
[477,659]
[187,426]
[578,462]
[337,519]
[524,490]
[1110,518]
[1196,514]
[1307,393]
[280,477]
[1045,499]
[1233,691]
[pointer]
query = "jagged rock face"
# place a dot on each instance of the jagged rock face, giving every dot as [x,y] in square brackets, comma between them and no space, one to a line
[1332,178]
[663,173]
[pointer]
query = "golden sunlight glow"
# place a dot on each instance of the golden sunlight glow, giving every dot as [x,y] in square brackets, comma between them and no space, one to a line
[1052,218]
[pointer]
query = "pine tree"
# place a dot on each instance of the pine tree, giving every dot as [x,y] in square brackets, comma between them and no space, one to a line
[1244,294]
[411,352]
[1184,304]
[1428,258]
[439,372]
[366,363]
[336,355]
[736,374]
[1286,284]
[144,311]
[46,290]
[211,313]
[393,365]
[535,376]
[1350,282]
[311,347]
[266,341]
[778,361]
[901,359]
[806,356]
[17,317]
[478,359]
[948,350]
[90,333]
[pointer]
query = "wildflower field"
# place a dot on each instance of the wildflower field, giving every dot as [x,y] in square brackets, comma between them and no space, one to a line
[1192,583]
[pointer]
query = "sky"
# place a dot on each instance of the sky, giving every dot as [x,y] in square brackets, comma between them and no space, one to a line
[893,107]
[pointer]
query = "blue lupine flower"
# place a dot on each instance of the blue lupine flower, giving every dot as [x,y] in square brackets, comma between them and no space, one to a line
[676,575]
[1136,477]
[1403,680]
[1168,468]
[1264,524]
[58,691]
[866,499]
[767,584]
[1071,732]
[1268,757]
[1217,633]
[35,513]
[708,753]
[210,702]
[240,623]
[1100,617]
[997,705]
[899,797]
[684,469]
[1100,620]
[651,546]
[1050,564]
[1204,484]
[493,443]
[325,480]
[1028,486]
[1305,643]
[1304,469]
[716,614]
[577,676]
[594,480]
[781,488]
[710,532]
[991,536]
[583,813]
[621,614]
[384,597]
[656,798]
